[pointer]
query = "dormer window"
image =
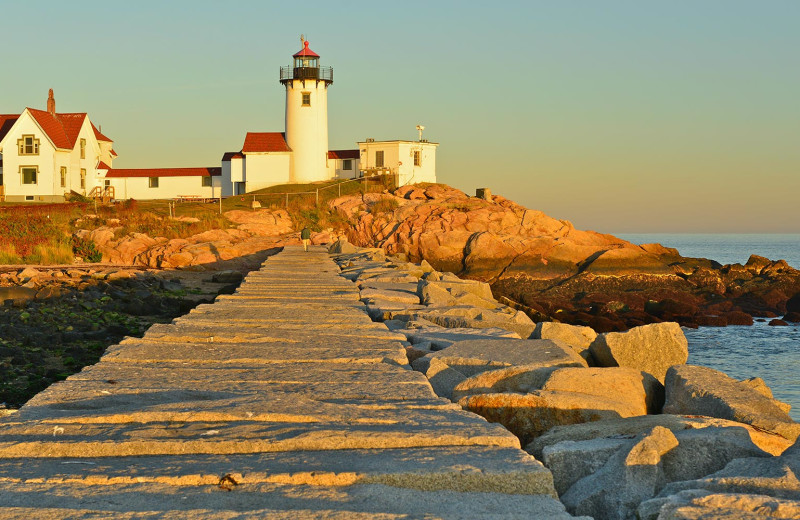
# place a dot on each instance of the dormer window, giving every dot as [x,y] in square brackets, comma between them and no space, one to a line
[28,145]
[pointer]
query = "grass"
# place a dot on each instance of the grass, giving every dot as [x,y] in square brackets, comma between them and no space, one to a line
[385,205]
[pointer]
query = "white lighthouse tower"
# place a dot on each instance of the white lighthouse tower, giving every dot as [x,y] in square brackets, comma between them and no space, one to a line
[307,115]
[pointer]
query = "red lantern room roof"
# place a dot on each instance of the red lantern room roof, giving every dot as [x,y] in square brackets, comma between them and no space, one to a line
[306,52]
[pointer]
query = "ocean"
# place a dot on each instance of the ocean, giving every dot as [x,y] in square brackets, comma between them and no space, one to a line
[771,353]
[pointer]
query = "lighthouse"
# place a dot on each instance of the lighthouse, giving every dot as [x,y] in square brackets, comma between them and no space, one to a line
[306,86]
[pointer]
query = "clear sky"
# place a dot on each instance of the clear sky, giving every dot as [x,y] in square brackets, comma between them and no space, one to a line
[619,115]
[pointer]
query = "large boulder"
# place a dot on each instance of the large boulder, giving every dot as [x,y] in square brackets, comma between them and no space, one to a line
[470,316]
[443,378]
[771,443]
[262,222]
[751,487]
[633,474]
[570,461]
[652,348]
[638,389]
[442,337]
[576,336]
[696,390]
[694,505]
[479,355]
[700,452]
[342,246]
[530,415]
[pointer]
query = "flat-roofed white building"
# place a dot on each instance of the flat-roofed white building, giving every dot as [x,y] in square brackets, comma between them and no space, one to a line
[411,161]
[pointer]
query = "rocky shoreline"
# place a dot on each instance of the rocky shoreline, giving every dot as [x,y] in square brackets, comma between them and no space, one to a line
[625,426]
[555,272]
[55,321]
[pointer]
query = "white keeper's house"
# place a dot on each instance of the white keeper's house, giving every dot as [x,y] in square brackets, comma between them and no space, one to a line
[42,161]
[45,155]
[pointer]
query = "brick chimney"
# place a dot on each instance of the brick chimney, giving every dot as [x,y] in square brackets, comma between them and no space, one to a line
[51,103]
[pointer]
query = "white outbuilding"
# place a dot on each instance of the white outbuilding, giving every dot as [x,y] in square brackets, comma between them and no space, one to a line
[412,161]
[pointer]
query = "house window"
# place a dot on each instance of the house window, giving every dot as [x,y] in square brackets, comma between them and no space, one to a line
[153,182]
[83,179]
[417,158]
[347,164]
[29,174]
[306,99]
[83,148]
[28,145]
[63,176]
[379,159]
[107,183]
[206,182]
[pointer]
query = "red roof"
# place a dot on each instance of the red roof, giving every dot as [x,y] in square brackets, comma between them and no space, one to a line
[114,153]
[305,52]
[98,135]
[6,122]
[165,172]
[62,129]
[103,166]
[344,154]
[232,155]
[255,142]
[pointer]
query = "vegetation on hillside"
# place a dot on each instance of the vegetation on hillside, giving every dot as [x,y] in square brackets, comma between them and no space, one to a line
[44,233]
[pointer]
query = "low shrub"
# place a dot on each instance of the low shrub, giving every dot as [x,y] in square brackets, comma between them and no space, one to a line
[86,249]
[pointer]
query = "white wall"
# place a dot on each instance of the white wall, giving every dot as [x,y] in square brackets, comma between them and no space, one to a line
[335,167]
[89,163]
[307,130]
[398,157]
[46,162]
[232,172]
[262,170]
[168,187]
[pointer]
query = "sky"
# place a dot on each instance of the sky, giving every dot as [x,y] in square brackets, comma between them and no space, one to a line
[622,116]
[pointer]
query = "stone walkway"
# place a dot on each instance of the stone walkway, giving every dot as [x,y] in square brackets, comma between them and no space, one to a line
[281,401]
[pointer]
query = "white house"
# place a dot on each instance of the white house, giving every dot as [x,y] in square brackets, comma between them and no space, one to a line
[411,161]
[45,155]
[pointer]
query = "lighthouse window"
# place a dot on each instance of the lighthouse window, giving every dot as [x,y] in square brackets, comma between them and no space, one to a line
[379,159]
[306,99]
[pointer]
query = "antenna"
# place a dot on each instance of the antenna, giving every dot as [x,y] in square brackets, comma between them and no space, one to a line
[420,128]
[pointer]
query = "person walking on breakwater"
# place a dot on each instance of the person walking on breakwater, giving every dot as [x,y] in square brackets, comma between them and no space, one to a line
[305,235]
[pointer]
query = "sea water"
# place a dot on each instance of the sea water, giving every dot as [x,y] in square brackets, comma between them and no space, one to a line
[771,353]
